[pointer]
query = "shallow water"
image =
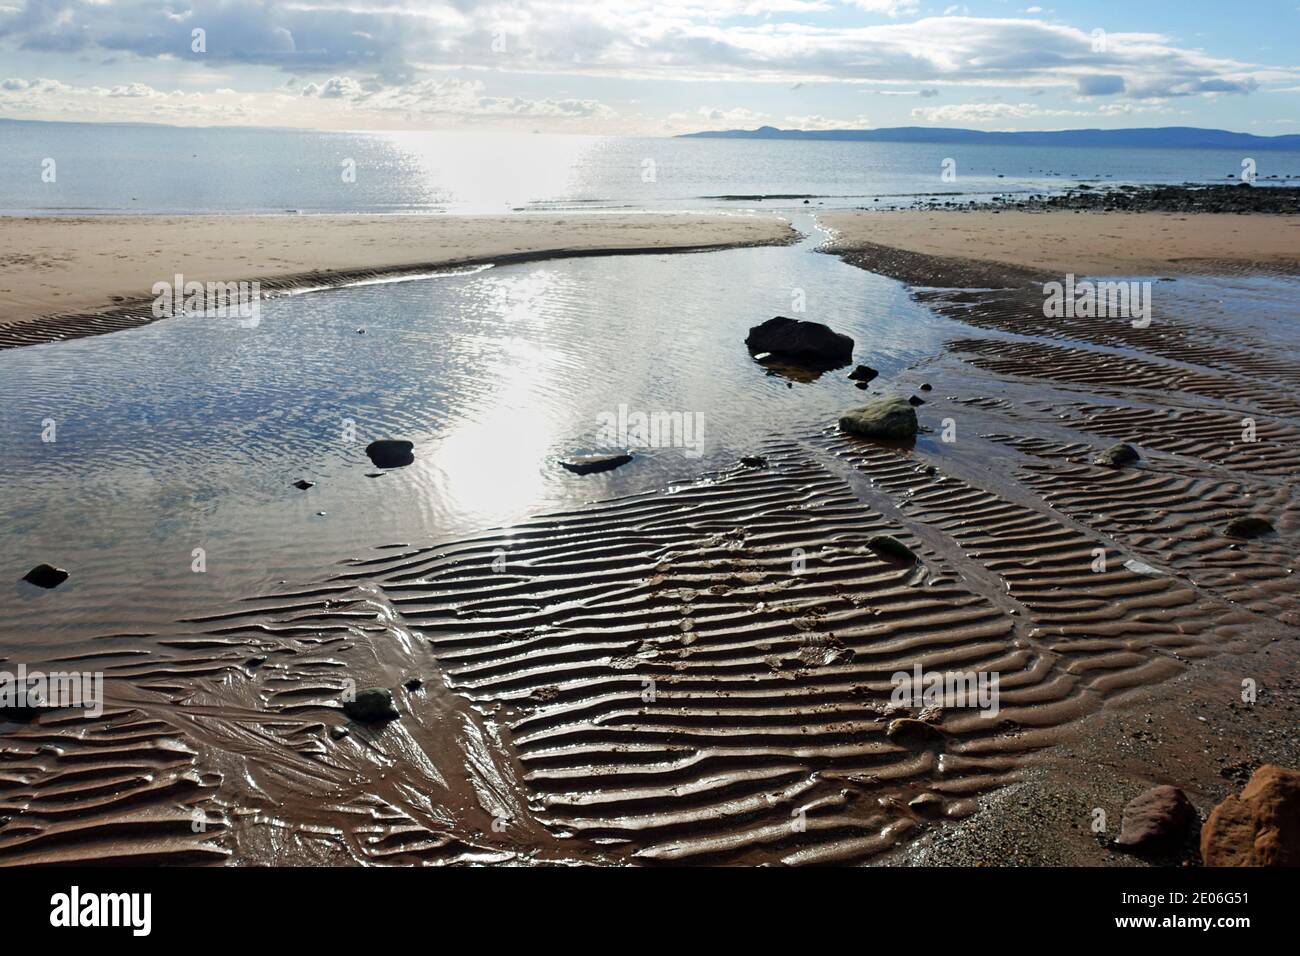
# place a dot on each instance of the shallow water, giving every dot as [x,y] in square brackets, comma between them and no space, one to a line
[188,433]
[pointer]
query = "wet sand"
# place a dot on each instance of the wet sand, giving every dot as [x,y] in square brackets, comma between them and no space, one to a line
[702,674]
[67,277]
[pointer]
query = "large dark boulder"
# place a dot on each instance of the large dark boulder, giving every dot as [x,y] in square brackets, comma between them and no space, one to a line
[390,453]
[797,342]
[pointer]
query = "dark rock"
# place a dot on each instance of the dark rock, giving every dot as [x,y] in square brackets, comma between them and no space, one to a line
[20,713]
[413,683]
[888,418]
[887,546]
[909,730]
[46,576]
[373,706]
[390,453]
[863,373]
[1180,199]
[1117,456]
[926,387]
[754,461]
[32,703]
[589,464]
[1259,827]
[862,385]
[1247,526]
[302,484]
[798,342]
[1157,819]
[338,732]
[915,401]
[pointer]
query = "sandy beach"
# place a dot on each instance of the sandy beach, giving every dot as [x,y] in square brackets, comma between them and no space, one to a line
[66,266]
[1085,243]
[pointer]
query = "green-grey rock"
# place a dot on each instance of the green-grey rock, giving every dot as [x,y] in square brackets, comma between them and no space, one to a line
[1247,526]
[1117,456]
[372,706]
[889,418]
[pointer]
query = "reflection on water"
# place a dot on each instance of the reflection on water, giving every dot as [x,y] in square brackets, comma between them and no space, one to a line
[188,434]
[481,457]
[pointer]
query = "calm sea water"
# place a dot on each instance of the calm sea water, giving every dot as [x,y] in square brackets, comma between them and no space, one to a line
[157,169]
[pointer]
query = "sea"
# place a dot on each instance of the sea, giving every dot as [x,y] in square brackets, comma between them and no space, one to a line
[103,169]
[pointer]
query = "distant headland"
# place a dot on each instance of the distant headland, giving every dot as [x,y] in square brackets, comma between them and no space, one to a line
[1168,137]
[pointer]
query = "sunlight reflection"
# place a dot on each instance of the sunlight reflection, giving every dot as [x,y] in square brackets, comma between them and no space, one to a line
[493,463]
[495,172]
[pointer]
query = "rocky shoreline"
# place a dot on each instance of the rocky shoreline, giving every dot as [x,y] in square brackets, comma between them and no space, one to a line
[1241,198]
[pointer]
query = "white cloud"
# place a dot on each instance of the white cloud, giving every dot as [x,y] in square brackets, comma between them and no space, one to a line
[402,59]
[763,40]
[890,8]
[450,101]
[823,122]
[979,113]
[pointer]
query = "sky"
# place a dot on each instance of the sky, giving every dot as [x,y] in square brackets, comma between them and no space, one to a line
[654,68]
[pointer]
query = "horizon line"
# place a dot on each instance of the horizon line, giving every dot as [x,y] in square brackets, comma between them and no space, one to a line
[695,133]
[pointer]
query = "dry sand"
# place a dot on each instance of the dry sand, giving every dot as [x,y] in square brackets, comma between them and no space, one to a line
[54,266]
[1083,243]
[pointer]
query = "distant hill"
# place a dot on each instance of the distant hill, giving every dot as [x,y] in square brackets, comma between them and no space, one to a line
[1168,137]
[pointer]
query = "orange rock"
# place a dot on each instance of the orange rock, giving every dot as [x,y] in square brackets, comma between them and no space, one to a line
[1260,827]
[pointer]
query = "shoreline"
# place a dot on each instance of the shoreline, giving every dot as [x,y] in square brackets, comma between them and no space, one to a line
[336,251]
[1052,243]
